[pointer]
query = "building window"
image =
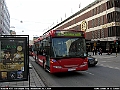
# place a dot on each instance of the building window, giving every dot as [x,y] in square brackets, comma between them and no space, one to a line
[93,23]
[111,31]
[93,12]
[117,3]
[110,4]
[102,20]
[98,33]
[101,8]
[93,36]
[114,16]
[117,30]
[98,21]
[117,16]
[98,9]
[102,33]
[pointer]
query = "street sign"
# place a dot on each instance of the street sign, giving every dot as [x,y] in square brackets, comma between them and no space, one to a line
[14,59]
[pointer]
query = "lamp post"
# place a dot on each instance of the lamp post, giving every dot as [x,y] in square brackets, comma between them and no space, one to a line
[116,47]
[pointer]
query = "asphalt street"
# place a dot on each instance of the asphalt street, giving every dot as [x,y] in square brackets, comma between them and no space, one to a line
[106,74]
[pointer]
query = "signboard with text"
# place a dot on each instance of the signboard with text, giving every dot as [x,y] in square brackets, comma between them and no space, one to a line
[70,33]
[14,57]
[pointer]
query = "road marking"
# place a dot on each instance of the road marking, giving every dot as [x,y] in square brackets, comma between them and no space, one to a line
[109,66]
[109,57]
[104,56]
[106,61]
[89,73]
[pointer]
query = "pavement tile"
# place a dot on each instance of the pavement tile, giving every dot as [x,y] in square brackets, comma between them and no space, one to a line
[32,83]
[35,79]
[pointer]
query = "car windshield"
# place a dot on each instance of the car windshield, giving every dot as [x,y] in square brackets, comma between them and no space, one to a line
[69,47]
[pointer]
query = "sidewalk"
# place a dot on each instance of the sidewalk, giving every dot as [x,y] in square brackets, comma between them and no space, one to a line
[104,55]
[35,81]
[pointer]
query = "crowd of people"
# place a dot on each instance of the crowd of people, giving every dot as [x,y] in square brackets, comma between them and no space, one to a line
[99,51]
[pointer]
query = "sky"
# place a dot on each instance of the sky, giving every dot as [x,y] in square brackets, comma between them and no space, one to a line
[34,17]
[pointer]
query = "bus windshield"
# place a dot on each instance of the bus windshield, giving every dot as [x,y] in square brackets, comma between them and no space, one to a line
[68,47]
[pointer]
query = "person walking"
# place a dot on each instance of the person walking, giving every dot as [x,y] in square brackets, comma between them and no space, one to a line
[93,50]
[100,51]
[110,51]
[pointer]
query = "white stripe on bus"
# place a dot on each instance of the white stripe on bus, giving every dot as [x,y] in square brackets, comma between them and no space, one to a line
[41,60]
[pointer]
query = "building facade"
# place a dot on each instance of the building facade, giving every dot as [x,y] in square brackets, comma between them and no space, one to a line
[4,19]
[101,22]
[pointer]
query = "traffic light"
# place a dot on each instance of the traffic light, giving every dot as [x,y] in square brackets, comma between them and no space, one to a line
[116,42]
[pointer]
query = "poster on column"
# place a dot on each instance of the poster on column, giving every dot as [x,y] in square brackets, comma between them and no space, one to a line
[14,59]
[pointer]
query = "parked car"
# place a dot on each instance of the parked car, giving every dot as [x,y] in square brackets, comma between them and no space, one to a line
[92,61]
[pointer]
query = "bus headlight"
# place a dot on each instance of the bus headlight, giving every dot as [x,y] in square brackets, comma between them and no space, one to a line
[57,66]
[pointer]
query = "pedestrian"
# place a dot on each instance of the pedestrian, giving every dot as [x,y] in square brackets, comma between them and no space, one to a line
[100,51]
[87,51]
[110,51]
[93,50]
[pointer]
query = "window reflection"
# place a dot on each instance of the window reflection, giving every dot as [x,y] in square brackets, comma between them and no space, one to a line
[69,47]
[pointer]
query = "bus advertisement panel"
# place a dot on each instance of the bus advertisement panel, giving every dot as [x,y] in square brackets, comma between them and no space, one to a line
[14,58]
[62,51]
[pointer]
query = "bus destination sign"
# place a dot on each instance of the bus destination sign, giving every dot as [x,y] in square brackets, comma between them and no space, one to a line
[69,33]
[13,58]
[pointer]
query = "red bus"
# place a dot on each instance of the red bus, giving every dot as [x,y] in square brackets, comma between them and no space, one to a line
[61,51]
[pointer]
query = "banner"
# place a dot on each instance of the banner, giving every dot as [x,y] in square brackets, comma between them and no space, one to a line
[14,64]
